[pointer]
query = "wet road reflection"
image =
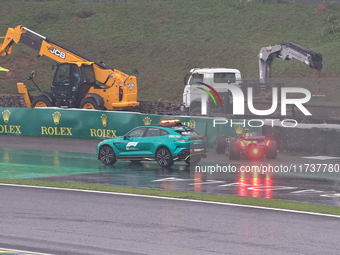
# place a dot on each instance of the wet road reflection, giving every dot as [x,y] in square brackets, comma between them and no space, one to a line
[85,168]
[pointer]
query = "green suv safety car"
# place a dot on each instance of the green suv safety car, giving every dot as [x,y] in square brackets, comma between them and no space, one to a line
[167,142]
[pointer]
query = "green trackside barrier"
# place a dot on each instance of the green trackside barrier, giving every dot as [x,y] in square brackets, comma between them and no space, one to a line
[79,123]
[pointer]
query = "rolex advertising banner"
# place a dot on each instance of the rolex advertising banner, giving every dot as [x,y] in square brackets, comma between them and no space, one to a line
[79,123]
[57,122]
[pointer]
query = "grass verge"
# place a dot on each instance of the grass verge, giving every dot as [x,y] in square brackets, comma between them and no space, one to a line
[165,39]
[270,203]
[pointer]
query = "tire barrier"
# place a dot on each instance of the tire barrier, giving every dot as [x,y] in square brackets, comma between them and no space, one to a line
[306,139]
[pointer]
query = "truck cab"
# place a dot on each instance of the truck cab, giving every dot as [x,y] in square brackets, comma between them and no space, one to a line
[218,78]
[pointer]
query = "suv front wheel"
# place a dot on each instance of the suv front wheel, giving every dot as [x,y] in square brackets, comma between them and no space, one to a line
[106,155]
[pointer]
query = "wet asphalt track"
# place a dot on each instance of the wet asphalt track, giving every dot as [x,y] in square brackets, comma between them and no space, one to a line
[73,160]
[66,222]
[69,222]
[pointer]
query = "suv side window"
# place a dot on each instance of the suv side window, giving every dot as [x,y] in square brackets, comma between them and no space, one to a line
[137,132]
[164,132]
[155,132]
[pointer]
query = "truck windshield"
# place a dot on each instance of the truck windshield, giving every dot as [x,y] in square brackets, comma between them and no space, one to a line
[224,78]
[196,77]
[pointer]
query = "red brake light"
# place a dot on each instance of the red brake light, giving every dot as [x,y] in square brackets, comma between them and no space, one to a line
[267,143]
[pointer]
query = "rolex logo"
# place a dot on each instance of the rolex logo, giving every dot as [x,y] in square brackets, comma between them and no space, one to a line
[147,121]
[5,115]
[190,123]
[238,128]
[56,117]
[104,119]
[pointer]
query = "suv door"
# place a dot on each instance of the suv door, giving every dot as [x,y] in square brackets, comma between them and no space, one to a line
[153,138]
[131,146]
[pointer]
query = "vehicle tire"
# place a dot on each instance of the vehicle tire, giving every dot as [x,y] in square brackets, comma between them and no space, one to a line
[193,160]
[233,151]
[220,144]
[106,155]
[90,103]
[41,101]
[271,151]
[164,157]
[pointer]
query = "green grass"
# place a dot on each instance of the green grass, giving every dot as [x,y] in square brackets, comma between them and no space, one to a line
[165,39]
[270,203]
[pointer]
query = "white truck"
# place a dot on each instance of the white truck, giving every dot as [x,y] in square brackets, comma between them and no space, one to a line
[217,78]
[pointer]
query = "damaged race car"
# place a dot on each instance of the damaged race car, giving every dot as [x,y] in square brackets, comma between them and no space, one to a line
[249,145]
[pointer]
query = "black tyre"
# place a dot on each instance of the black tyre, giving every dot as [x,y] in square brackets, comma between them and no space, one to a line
[271,151]
[41,101]
[106,155]
[233,150]
[193,160]
[164,157]
[90,103]
[220,144]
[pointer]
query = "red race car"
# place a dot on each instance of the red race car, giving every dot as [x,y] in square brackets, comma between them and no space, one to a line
[246,145]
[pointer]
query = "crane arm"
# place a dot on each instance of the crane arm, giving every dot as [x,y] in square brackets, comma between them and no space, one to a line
[286,51]
[55,51]
[12,36]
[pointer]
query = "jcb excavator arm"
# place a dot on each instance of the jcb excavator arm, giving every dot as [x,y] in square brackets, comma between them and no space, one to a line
[286,51]
[12,36]
[51,49]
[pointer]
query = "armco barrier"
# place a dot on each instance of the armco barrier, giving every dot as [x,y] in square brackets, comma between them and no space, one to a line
[79,123]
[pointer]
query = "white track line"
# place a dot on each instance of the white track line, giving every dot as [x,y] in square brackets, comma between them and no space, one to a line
[25,252]
[171,198]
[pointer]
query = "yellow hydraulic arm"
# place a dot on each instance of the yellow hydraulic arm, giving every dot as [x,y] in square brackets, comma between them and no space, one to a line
[12,36]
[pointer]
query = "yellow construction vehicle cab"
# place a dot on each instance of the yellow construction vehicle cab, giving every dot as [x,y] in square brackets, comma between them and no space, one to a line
[78,82]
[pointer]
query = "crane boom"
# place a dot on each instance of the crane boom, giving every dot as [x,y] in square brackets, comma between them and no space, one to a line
[50,49]
[286,51]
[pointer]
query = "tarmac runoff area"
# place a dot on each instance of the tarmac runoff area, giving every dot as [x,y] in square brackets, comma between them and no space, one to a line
[292,178]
